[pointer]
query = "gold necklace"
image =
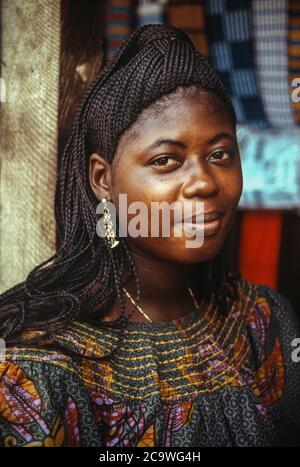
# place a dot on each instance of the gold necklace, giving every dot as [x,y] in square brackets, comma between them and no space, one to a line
[145,315]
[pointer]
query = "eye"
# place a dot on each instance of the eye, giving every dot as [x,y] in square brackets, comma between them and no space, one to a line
[163,161]
[219,155]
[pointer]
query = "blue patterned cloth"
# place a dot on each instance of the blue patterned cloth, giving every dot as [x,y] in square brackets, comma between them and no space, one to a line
[271,167]
[232,49]
[270,24]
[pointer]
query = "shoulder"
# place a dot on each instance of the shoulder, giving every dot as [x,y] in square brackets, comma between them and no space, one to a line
[276,311]
[283,313]
[40,389]
[273,329]
[36,355]
[279,372]
[47,368]
[271,324]
[264,304]
[45,371]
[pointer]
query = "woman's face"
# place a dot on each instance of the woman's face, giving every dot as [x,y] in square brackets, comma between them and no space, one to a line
[201,163]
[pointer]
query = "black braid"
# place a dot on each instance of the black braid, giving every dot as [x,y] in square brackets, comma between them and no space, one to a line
[153,62]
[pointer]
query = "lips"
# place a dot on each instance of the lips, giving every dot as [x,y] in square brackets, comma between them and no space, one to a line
[208,217]
[210,226]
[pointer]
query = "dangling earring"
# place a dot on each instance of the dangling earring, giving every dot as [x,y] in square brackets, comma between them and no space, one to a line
[110,235]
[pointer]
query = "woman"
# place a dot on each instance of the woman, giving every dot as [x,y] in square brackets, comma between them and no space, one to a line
[140,340]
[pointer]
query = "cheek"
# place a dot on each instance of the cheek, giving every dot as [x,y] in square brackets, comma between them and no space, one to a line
[233,186]
[136,187]
[141,188]
[141,185]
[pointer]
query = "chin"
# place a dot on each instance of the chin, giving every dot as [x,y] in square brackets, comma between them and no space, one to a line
[207,251]
[175,251]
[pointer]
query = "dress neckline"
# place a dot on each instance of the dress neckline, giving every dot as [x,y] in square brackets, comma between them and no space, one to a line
[184,320]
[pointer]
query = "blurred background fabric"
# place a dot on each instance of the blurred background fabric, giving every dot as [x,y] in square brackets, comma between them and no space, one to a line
[271,167]
[50,52]
[270,26]
[231,42]
[293,51]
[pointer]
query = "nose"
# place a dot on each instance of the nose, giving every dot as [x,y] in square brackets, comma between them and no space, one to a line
[200,182]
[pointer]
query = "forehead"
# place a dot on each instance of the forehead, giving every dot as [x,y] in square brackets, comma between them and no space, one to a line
[186,113]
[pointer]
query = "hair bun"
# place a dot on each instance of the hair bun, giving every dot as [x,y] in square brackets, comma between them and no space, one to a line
[160,33]
[141,38]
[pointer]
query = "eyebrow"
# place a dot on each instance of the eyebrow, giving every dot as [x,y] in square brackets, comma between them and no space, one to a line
[160,142]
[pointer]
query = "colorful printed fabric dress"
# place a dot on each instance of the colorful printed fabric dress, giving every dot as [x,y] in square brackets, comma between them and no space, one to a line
[205,379]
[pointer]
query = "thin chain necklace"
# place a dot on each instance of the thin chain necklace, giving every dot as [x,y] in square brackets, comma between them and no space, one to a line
[145,315]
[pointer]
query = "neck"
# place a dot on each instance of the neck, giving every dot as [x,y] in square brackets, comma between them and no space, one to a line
[163,287]
[162,279]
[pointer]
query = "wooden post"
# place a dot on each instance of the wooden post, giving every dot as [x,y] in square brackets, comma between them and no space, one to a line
[30,36]
[51,51]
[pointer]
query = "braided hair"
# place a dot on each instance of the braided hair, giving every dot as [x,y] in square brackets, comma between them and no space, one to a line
[153,62]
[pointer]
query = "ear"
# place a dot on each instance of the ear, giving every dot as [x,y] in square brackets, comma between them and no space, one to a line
[100,176]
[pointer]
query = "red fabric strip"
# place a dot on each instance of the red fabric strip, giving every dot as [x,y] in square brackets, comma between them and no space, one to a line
[259,246]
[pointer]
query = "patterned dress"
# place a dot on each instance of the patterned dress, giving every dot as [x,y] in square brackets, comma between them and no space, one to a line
[205,379]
